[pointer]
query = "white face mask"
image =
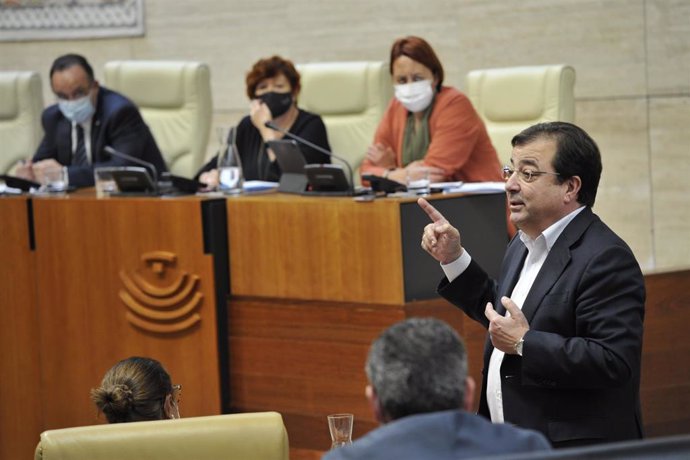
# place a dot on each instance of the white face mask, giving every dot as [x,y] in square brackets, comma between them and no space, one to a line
[415,96]
[77,110]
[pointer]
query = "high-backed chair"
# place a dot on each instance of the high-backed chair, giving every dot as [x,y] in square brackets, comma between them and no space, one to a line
[513,98]
[21,104]
[351,98]
[174,98]
[258,436]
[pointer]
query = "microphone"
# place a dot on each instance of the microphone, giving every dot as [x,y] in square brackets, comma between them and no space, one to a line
[273,126]
[127,157]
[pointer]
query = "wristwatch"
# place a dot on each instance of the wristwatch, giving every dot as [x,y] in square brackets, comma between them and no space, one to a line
[518,346]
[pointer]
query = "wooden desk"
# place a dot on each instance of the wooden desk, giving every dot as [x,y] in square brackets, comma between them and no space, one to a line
[21,411]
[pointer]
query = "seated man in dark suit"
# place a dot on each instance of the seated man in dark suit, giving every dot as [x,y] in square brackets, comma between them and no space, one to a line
[86,119]
[420,391]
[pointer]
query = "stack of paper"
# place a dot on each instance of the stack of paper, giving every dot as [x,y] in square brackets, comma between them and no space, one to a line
[258,185]
[471,187]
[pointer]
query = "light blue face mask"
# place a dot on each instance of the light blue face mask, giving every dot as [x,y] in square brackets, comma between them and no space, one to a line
[78,110]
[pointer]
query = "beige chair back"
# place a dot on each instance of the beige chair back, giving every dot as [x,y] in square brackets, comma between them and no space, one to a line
[513,98]
[257,436]
[21,104]
[174,98]
[351,98]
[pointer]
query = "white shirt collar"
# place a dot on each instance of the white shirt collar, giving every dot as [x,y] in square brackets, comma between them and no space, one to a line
[551,234]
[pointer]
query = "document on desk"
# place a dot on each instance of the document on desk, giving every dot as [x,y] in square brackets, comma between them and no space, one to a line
[5,190]
[258,185]
[471,187]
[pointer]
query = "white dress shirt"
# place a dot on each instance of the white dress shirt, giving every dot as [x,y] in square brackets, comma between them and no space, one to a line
[537,249]
[86,126]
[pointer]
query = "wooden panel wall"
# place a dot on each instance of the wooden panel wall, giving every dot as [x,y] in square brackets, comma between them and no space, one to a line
[306,359]
[665,386]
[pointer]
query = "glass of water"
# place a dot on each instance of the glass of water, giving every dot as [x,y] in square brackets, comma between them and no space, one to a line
[340,426]
[54,181]
[230,177]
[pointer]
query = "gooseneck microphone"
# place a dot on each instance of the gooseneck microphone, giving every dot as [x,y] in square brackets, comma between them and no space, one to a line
[127,157]
[273,126]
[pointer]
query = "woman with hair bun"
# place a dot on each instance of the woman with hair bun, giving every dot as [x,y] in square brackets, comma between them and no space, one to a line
[137,389]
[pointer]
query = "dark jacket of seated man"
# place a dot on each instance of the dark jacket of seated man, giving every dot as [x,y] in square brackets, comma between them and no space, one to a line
[420,391]
[116,123]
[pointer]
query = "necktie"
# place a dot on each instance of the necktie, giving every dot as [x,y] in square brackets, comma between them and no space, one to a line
[80,152]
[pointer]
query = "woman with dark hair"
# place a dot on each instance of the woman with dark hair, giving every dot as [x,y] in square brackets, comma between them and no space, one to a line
[273,85]
[428,125]
[135,390]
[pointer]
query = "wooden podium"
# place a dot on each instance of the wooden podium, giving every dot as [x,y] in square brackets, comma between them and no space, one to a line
[94,281]
[314,280]
[21,411]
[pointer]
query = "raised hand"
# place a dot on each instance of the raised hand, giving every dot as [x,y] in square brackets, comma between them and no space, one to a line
[440,239]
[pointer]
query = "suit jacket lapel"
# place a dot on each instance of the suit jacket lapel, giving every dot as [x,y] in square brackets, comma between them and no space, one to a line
[556,261]
[96,140]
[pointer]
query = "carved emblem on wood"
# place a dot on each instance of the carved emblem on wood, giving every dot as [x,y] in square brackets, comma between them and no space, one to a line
[165,300]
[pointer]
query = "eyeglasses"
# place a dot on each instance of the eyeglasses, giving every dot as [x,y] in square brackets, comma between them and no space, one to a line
[177,393]
[525,175]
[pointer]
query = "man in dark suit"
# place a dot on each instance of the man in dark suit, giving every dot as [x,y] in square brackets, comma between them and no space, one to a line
[86,119]
[420,391]
[565,338]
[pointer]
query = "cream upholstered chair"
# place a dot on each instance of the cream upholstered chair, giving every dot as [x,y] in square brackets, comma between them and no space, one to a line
[351,98]
[174,98]
[513,98]
[21,104]
[259,436]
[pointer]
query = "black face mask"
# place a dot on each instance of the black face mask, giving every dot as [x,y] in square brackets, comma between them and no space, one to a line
[278,103]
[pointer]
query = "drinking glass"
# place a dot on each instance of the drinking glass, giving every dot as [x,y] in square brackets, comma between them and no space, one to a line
[418,179]
[54,180]
[230,177]
[104,181]
[340,426]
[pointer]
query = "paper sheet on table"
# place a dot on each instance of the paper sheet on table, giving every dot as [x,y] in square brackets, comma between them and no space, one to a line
[471,187]
[258,185]
[4,189]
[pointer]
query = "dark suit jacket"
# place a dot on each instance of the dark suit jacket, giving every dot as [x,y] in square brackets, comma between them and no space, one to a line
[439,436]
[116,122]
[578,380]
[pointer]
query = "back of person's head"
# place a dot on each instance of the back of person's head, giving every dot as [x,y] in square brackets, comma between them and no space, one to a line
[68,60]
[133,390]
[418,366]
[576,154]
[269,68]
[419,50]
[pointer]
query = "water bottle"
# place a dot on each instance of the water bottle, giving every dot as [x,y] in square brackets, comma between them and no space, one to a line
[230,177]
